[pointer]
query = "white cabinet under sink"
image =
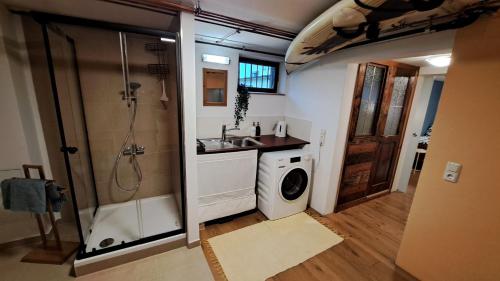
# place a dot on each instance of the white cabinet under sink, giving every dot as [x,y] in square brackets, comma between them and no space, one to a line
[226,183]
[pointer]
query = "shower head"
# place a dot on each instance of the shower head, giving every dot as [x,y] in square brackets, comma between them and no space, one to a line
[130,94]
[134,86]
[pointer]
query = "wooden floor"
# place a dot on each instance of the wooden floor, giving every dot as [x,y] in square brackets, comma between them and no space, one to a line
[372,231]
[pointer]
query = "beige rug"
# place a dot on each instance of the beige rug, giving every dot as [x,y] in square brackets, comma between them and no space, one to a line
[262,250]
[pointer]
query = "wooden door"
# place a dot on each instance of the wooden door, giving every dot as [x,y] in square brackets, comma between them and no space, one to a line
[380,108]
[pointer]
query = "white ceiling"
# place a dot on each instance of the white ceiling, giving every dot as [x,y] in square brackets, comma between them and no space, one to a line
[214,34]
[289,15]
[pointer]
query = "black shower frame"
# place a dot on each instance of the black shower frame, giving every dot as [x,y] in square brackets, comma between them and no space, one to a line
[44,19]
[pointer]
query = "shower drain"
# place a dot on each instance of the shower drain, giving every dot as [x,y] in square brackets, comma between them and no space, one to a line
[106,242]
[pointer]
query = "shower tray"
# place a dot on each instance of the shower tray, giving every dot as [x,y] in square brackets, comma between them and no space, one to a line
[120,222]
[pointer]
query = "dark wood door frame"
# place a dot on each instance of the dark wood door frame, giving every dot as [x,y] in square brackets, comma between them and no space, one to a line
[393,69]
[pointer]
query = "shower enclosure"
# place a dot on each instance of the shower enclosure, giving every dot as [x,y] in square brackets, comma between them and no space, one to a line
[115,91]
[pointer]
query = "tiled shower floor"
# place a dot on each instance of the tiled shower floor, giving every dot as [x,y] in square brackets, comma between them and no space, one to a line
[120,221]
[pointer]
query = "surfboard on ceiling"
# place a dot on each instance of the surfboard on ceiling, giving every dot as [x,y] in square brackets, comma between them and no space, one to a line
[350,23]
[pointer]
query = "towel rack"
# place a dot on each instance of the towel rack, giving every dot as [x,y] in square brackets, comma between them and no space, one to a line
[48,253]
[26,169]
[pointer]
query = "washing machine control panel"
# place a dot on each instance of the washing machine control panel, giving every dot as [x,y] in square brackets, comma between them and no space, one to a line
[297,159]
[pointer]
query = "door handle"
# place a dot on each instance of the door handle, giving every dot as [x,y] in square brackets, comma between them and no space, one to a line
[69,149]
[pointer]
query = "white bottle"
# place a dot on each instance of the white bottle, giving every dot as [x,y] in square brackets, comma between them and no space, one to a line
[253,130]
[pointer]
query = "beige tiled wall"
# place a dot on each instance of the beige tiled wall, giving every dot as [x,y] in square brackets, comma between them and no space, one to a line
[107,115]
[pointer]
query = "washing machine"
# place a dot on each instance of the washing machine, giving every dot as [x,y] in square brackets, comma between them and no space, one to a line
[283,182]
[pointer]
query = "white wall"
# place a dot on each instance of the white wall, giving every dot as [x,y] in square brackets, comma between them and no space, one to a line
[22,139]
[322,93]
[189,120]
[14,148]
[267,109]
[18,115]
[316,94]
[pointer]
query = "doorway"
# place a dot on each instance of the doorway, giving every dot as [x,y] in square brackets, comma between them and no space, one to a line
[382,98]
[426,132]
[419,129]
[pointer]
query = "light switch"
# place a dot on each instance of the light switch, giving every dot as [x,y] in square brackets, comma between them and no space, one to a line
[322,136]
[452,171]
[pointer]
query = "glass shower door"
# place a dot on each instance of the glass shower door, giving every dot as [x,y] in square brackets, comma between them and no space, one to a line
[72,126]
[151,72]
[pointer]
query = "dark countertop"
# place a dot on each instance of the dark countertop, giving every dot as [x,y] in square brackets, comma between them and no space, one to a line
[271,143]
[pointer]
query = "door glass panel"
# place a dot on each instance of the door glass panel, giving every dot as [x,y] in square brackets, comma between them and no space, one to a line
[396,106]
[74,126]
[372,87]
[153,74]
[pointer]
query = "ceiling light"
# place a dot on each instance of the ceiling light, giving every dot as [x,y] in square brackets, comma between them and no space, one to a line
[439,61]
[168,40]
[215,59]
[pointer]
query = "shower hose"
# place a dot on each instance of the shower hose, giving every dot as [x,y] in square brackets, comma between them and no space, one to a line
[133,157]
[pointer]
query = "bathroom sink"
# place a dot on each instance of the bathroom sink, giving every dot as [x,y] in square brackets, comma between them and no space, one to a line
[245,142]
[216,144]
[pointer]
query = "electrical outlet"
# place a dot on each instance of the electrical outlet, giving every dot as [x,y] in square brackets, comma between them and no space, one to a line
[452,171]
[322,136]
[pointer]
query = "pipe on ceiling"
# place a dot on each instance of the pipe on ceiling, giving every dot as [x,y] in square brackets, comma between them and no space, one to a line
[240,48]
[208,17]
[243,29]
[214,16]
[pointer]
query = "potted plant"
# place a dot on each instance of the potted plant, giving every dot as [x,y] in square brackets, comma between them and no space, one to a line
[241,105]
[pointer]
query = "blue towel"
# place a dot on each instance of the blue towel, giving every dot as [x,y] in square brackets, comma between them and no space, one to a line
[29,195]
[24,195]
[55,196]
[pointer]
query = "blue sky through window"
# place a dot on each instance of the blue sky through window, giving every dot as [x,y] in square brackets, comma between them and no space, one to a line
[257,76]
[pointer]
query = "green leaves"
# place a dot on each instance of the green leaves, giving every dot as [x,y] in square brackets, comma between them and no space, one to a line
[241,104]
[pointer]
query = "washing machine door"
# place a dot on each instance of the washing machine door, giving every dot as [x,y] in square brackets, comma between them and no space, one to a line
[293,184]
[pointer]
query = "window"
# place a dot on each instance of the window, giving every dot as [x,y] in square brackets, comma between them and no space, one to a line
[259,75]
[214,87]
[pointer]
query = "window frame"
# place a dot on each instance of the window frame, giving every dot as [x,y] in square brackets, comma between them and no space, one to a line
[255,90]
[206,72]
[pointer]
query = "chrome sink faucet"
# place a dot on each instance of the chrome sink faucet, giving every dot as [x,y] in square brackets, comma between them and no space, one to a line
[225,130]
